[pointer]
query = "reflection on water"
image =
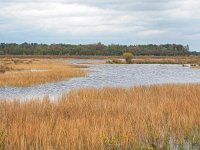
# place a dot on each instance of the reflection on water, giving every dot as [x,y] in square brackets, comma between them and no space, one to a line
[108,75]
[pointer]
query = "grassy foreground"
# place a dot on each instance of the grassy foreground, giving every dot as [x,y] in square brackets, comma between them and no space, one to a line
[30,71]
[155,117]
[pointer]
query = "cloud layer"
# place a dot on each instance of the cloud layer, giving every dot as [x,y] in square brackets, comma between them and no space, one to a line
[109,21]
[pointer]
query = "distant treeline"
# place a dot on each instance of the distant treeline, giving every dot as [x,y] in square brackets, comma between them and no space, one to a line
[93,49]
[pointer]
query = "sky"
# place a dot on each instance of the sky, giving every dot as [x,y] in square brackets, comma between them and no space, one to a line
[127,22]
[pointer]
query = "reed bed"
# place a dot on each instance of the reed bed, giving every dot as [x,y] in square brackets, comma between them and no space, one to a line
[137,59]
[146,117]
[26,72]
[160,60]
[168,60]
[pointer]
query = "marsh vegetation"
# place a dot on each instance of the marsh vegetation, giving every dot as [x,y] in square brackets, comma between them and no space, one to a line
[146,117]
[26,72]
[194,60]
[142,117]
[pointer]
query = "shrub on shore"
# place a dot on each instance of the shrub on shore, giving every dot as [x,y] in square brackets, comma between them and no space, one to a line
[128,57]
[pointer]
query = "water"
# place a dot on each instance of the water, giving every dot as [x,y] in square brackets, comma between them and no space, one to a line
[109,75]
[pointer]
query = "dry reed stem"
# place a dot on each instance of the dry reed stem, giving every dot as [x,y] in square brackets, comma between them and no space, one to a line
[107,118]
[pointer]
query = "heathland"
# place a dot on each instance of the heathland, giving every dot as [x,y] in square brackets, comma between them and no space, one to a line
[146,117]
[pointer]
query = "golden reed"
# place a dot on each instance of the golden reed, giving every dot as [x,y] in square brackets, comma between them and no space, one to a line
[26,72]
[146,117]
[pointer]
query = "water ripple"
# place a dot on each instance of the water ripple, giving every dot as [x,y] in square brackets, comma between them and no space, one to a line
[108,75]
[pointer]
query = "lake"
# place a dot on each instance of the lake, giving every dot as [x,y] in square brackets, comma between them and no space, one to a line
[108,75]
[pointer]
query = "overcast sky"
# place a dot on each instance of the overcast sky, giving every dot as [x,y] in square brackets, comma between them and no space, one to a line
[107,21]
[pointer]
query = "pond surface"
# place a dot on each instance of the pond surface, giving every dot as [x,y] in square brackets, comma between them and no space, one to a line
[109,75]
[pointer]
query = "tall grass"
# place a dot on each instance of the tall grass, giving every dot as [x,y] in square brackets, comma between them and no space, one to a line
[46,70]
[154,117]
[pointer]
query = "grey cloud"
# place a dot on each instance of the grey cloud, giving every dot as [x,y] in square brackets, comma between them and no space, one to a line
[106,20]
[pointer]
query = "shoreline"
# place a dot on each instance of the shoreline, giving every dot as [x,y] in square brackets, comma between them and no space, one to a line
[18,72]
